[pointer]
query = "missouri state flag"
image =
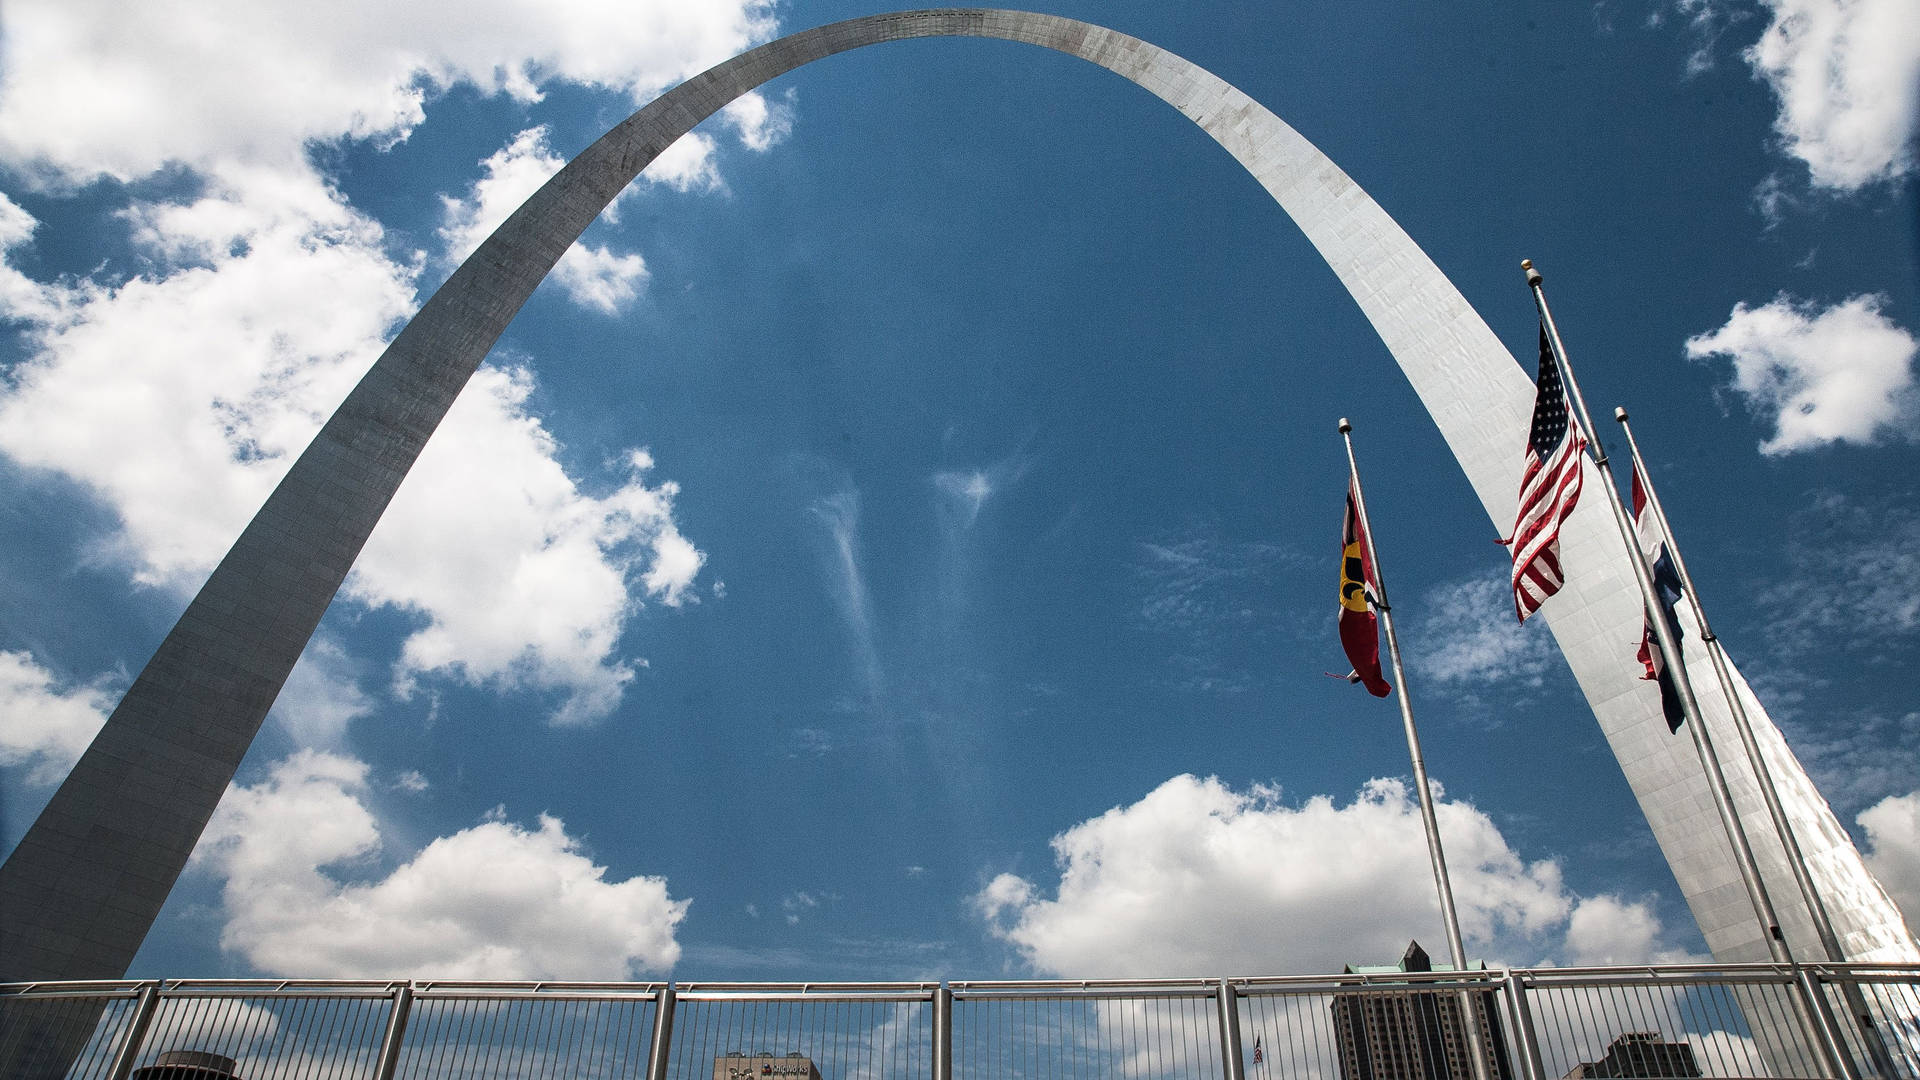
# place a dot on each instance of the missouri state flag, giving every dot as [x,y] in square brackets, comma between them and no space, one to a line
[1359,626]
[1666,585]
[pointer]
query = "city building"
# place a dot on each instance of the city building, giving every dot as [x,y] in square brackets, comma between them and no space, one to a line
[740,1065]
[1640,1053]
[187,1065]
[1413,1032]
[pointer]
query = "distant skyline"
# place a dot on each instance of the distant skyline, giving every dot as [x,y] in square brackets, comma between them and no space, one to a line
[901,539]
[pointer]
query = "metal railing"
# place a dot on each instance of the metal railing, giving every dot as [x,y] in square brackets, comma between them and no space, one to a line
[1803,1022]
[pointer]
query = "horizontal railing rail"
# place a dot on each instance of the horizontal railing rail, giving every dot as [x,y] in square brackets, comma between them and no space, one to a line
[1805,1022]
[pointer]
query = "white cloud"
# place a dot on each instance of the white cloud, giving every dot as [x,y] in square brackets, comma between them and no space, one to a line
[1303,888]
[1893,841]
[839,515]
[1817,376]
[523,577]
[181,399]
[495,901]
[94,86]
[1466,637]
[321,696]
[44,727]
[1847,77]
[1607,931]
[759,123]
[966,492]
[593,276]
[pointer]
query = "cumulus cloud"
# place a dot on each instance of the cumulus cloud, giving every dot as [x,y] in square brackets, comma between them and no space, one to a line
[523,578]
[1847,77]
[1288,888]
[181,398]
[759,123]
[495,901]
[92,87]
[322,696]
[593,276]
[44,726]
[1818,375]
[1893,841]
[1607,931]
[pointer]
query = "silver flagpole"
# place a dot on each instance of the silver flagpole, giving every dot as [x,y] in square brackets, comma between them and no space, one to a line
[1670,652]
[1669,648]
[1796,859]
[1469,1017]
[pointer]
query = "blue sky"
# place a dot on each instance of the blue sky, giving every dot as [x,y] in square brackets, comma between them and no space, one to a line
[900,540]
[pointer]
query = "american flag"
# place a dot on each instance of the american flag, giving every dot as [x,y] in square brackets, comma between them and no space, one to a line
[1259,1053]
[1548,490]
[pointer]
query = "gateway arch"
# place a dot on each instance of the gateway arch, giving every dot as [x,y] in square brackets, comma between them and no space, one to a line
[86,883]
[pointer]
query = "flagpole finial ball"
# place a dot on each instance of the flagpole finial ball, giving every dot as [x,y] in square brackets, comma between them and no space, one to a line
[1344,426]
[1620,414]
[1526,264]
[1533,276]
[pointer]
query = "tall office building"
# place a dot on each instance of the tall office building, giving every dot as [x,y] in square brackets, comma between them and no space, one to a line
[1640,1053]
[740,1065]
[1416,1032]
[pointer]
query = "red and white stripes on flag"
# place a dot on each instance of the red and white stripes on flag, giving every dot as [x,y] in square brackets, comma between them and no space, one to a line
[1548,490]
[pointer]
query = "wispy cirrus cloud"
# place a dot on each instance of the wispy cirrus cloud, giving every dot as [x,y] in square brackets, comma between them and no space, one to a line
[1847,557]
[1463,636]
[838,517]
[1203,593]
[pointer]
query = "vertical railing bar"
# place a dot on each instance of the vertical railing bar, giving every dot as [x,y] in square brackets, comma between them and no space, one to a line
[613,1020]
[1526,1039]
[607,1016]
[443,1016]
[292,1025]
[520,1049]
[552,1036]
[481,1025]
[942,1063]
[662,1043]
[539,1023]
[1232,1067]
[569,1028]
[298,1065]
[136,1032]
[454,1040]
[474,1020]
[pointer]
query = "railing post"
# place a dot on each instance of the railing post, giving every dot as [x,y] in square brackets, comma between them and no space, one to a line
[661,1052]
[396,1031]
[136,1033]
[1520,1017]
[1231,1065]
[943,1032]
[1832,1048]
